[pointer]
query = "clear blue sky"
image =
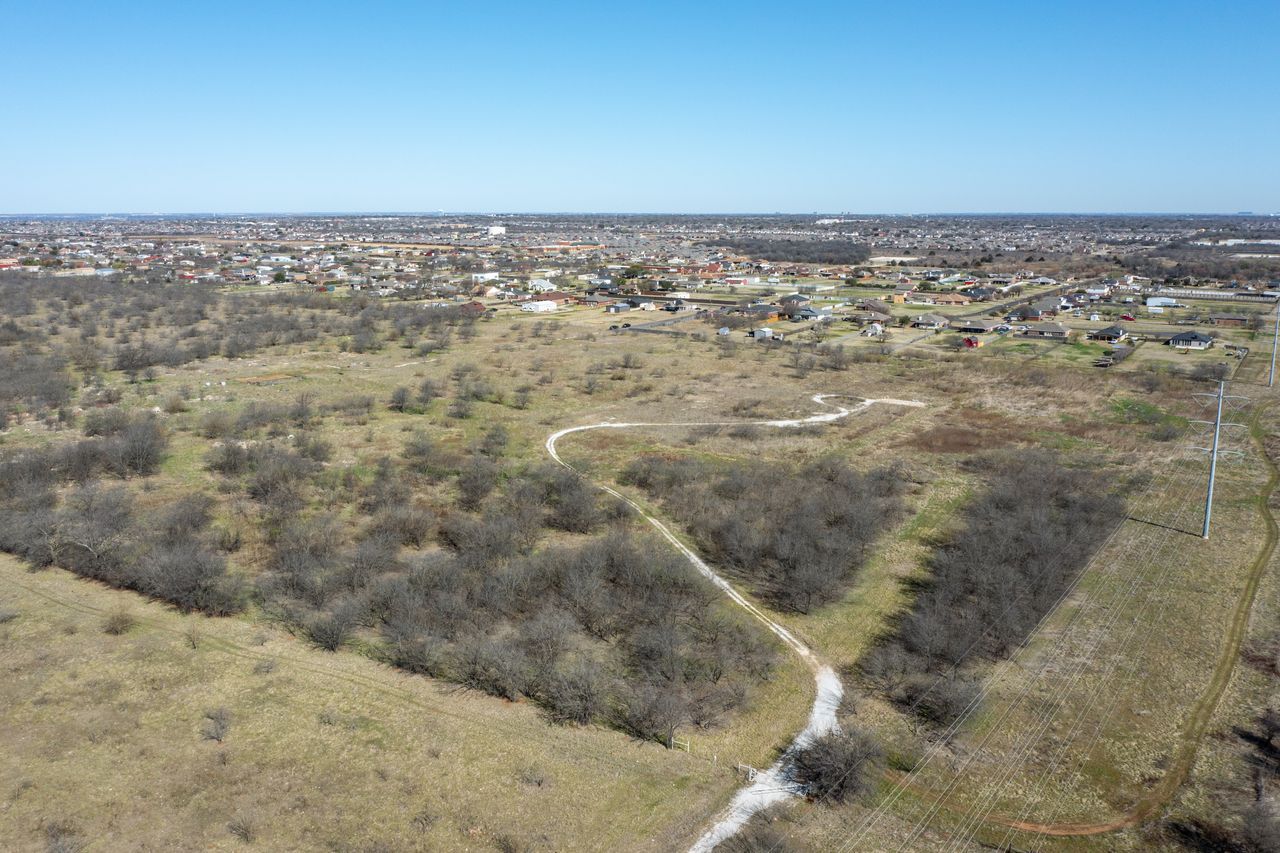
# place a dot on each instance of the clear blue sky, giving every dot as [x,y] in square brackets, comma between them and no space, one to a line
[655,106]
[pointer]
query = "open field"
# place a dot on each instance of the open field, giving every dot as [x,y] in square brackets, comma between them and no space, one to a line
[339,750]
[329,751]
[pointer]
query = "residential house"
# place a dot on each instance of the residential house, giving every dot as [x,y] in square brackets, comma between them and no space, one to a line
[1109,335]
[873,305]
[1235,321]
[810,313]
[976,327]
[1048,306]
[862,318]
[930,321]
[951,299]
[1047,331]
[1190,340]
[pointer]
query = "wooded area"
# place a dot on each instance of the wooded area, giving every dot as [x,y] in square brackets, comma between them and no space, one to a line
[1016,547]
[796,535]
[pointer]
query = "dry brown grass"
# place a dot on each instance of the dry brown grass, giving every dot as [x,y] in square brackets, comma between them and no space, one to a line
[112,737]
[371,779]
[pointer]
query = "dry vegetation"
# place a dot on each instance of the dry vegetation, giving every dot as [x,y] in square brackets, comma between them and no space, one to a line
[361,485]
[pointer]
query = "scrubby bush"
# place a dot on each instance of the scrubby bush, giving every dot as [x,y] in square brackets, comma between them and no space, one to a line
[837,766]
[119,621]
[216,724]
[103,422]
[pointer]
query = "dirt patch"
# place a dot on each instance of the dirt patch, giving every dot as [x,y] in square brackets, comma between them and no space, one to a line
[967,431]
[267,378]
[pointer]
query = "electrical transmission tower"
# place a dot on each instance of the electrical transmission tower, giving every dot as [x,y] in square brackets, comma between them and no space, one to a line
[1217,400]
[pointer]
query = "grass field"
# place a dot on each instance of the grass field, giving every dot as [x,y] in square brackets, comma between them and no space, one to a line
[324,750]
[336,751]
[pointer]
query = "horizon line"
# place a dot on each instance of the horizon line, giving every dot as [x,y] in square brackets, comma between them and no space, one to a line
[496,213]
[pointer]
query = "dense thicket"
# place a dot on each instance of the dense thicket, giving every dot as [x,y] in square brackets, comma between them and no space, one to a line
[613,630]
[139,325]
[1018,545]
[96,532]
[435,559]
[796,251]
[796,535]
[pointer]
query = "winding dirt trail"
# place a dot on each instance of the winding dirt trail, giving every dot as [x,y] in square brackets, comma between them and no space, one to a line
[772,785]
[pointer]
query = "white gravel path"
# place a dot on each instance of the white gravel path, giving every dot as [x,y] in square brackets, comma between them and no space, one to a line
[772,785]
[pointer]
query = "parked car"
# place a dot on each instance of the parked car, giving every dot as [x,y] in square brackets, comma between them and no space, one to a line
[1129,317]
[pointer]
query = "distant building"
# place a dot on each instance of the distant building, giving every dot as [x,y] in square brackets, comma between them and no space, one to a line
[1190,340]
[930,321]
[1047,331]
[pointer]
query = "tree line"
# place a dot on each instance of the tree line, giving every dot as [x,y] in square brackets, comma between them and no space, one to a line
[1017,546]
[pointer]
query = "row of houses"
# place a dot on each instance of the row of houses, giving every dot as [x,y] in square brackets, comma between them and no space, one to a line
[1051,331]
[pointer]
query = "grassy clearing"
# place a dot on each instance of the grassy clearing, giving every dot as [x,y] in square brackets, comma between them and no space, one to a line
[1086,721]
[322,750]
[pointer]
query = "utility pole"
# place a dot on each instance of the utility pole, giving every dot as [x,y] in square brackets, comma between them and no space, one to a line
[1275,339]
[1217,400]
[1213,460]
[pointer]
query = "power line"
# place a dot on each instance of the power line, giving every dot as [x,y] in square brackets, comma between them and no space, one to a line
[1111,609]
[1220,398]
[1148,583]
[1004,666]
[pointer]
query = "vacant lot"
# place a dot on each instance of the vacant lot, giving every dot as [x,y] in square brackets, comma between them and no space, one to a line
[184,731]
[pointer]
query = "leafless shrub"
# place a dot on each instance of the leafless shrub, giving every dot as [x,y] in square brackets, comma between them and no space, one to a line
[62,836]
[838,766]
[216,725]
[119,621]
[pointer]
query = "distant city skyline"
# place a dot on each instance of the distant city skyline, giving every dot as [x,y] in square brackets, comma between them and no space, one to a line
[752,107]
